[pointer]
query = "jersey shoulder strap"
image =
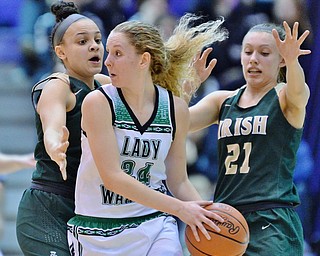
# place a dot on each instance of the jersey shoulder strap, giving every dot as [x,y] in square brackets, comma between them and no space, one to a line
[37,88]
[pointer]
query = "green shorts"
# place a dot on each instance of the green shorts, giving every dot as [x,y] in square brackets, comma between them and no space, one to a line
[42,223]
[275,231]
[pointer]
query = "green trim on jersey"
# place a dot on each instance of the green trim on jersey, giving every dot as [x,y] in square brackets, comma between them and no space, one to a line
[106,227]
[125,118]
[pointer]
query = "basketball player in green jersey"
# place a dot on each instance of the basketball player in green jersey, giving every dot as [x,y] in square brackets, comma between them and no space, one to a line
[260,128]
[48,204]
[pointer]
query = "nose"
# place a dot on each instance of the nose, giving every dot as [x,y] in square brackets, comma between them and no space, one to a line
[253,58]
[107,62]
[94,46]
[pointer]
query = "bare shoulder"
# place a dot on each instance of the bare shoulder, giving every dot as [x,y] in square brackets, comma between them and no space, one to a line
[94,98]
[279,87]
[61,76]
[180,105]
[95,110]
[58,78]
[102,79]
[216,98]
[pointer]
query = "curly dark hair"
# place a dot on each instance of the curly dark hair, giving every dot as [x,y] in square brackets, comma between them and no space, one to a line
[63,9]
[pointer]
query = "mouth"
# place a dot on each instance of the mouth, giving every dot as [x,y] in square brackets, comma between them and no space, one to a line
[254,71]
[111,75]
[95,59]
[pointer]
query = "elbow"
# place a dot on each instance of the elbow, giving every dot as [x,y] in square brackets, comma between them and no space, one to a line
[109,179]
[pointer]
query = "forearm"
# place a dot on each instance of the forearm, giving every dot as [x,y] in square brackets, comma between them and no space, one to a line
[295,77]
[297,90]
[184,190]
[51,139]
[13,163]
[10,166]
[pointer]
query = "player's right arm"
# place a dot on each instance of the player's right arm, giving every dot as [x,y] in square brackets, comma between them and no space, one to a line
[206,111]
[55,100]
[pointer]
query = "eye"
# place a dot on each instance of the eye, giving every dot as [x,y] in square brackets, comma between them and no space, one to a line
[98,40]
[82,41]
[265,54]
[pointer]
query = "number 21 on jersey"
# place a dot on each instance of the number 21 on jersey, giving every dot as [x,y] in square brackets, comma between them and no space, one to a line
[234,151]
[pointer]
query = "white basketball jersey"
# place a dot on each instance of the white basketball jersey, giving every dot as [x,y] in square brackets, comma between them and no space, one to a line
[143,150]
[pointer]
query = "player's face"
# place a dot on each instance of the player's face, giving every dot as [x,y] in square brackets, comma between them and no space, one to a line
[122,60]
[82,48]
[260,59]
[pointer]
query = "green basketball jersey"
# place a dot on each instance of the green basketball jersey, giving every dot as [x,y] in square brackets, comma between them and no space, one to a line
[47,171]
[257,153]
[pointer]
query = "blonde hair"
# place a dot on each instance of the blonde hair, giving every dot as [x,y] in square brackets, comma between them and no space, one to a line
[171,61]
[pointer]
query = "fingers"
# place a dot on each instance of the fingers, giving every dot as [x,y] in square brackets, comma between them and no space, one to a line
[305,52]
[65,133]
[62,160]
[199,63]
[202,229]
[206,53]
[63,149]
[303,36]
[211,65]
[211,219]
[214,225]
[215,216]
[63,168]
[289,47]
[287,29]
[276,36]
[195,233]
[295,30]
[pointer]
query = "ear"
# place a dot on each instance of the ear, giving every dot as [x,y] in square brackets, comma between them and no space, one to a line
[60,52]
[145,60]
[282,63]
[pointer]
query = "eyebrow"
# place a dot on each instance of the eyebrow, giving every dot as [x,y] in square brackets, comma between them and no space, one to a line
[262,45]
[86,33]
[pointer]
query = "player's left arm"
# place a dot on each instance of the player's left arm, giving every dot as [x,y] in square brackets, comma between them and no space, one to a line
[14,162]
[294,96]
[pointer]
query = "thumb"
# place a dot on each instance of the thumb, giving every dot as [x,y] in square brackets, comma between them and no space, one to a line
[205,203]
[65,133]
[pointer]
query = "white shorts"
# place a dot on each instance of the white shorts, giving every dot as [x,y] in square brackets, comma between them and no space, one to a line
[157,236]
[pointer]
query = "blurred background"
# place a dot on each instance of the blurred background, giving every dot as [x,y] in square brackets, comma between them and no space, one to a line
[26,57]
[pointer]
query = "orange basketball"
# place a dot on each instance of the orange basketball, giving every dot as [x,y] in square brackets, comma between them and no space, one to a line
[232,240]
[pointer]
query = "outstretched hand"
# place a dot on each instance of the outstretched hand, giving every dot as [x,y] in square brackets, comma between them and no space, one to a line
[200,62]
[59,155]
[203,71]
[289,48]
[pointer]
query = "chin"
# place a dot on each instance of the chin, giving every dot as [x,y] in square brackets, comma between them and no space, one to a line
[96,70]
